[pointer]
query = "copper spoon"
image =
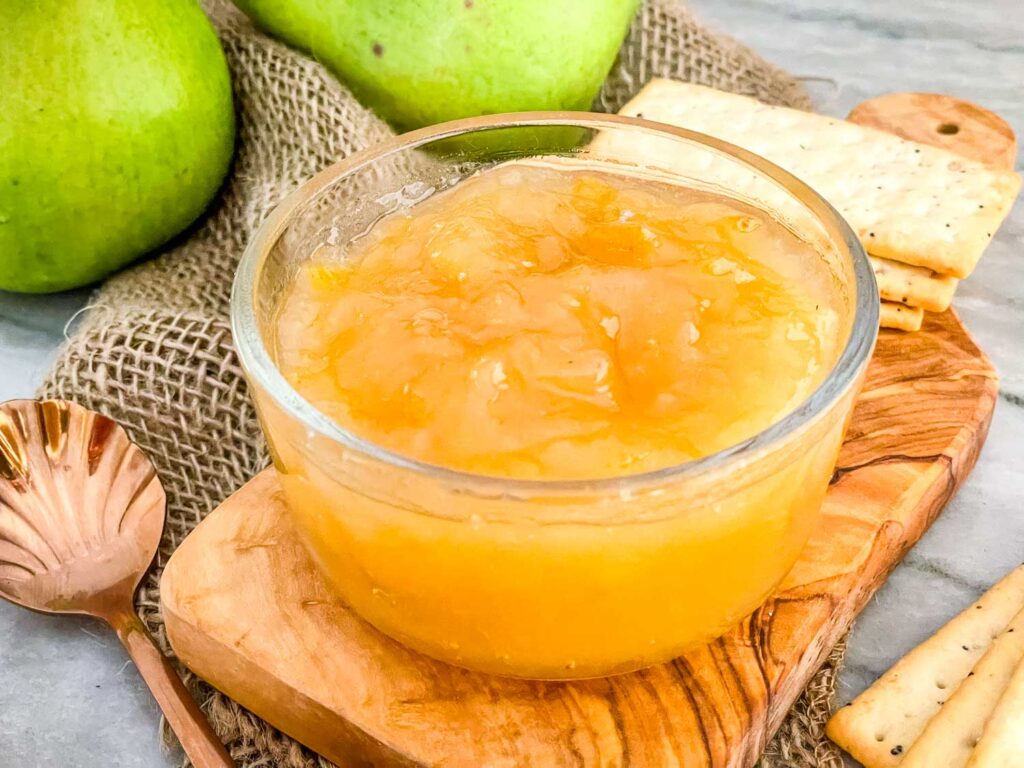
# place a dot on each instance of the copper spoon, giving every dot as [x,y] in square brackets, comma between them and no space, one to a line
[81,513]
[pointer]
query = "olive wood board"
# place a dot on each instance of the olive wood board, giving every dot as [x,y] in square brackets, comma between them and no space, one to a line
[246,609]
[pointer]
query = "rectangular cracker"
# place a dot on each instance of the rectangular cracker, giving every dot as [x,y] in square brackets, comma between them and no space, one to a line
[907,202]
[915,286]
[950,736]
[900,317]
[1002,742]
[879,725]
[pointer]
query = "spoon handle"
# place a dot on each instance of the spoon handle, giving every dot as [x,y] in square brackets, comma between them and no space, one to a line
[186,719]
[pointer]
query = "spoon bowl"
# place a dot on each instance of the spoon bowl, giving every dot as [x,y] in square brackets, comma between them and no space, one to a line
[81,509]
[81,515]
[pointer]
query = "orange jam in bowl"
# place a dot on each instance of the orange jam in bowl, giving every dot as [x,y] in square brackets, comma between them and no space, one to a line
[557,416]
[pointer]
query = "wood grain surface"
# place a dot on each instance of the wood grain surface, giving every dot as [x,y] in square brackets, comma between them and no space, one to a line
[246,610]
[943,121]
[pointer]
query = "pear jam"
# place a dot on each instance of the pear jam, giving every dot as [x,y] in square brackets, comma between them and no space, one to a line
[555,322]
[536,323]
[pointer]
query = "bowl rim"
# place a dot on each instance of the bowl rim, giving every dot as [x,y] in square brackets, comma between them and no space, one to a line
[261,370]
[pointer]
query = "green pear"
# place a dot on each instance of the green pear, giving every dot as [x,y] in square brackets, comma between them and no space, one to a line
[419,62]
[116,130]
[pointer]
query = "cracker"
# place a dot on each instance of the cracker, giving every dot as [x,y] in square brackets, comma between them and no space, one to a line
[915,286]
[880,725]
[1002,743]
[949,738]
[908,202]
[900,317]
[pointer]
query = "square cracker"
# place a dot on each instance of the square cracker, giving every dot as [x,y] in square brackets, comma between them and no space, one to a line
[908,202]
[879,726]
[916,286]
[900,317]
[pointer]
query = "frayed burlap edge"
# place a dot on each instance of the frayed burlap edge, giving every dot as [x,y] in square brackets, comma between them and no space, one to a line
[800,741]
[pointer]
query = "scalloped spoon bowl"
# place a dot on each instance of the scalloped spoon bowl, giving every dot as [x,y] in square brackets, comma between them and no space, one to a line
[81,515]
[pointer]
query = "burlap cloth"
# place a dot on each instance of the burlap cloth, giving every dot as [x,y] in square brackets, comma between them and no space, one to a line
[154,350]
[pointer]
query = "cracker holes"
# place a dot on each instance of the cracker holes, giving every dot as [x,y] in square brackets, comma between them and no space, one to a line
[948,129]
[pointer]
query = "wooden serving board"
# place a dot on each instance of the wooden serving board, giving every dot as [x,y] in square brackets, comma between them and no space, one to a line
[246,609]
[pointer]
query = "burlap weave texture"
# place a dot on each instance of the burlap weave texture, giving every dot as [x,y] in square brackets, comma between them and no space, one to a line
[155,352]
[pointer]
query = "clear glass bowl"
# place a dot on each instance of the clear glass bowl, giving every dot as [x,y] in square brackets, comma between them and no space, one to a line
[532,578]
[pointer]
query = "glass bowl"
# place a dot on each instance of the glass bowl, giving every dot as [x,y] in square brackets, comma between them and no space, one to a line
[534,578]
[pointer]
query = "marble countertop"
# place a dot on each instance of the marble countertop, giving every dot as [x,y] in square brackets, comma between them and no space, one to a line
[69,697]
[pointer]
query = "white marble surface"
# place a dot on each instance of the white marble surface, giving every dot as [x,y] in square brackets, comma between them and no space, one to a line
[67,696]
